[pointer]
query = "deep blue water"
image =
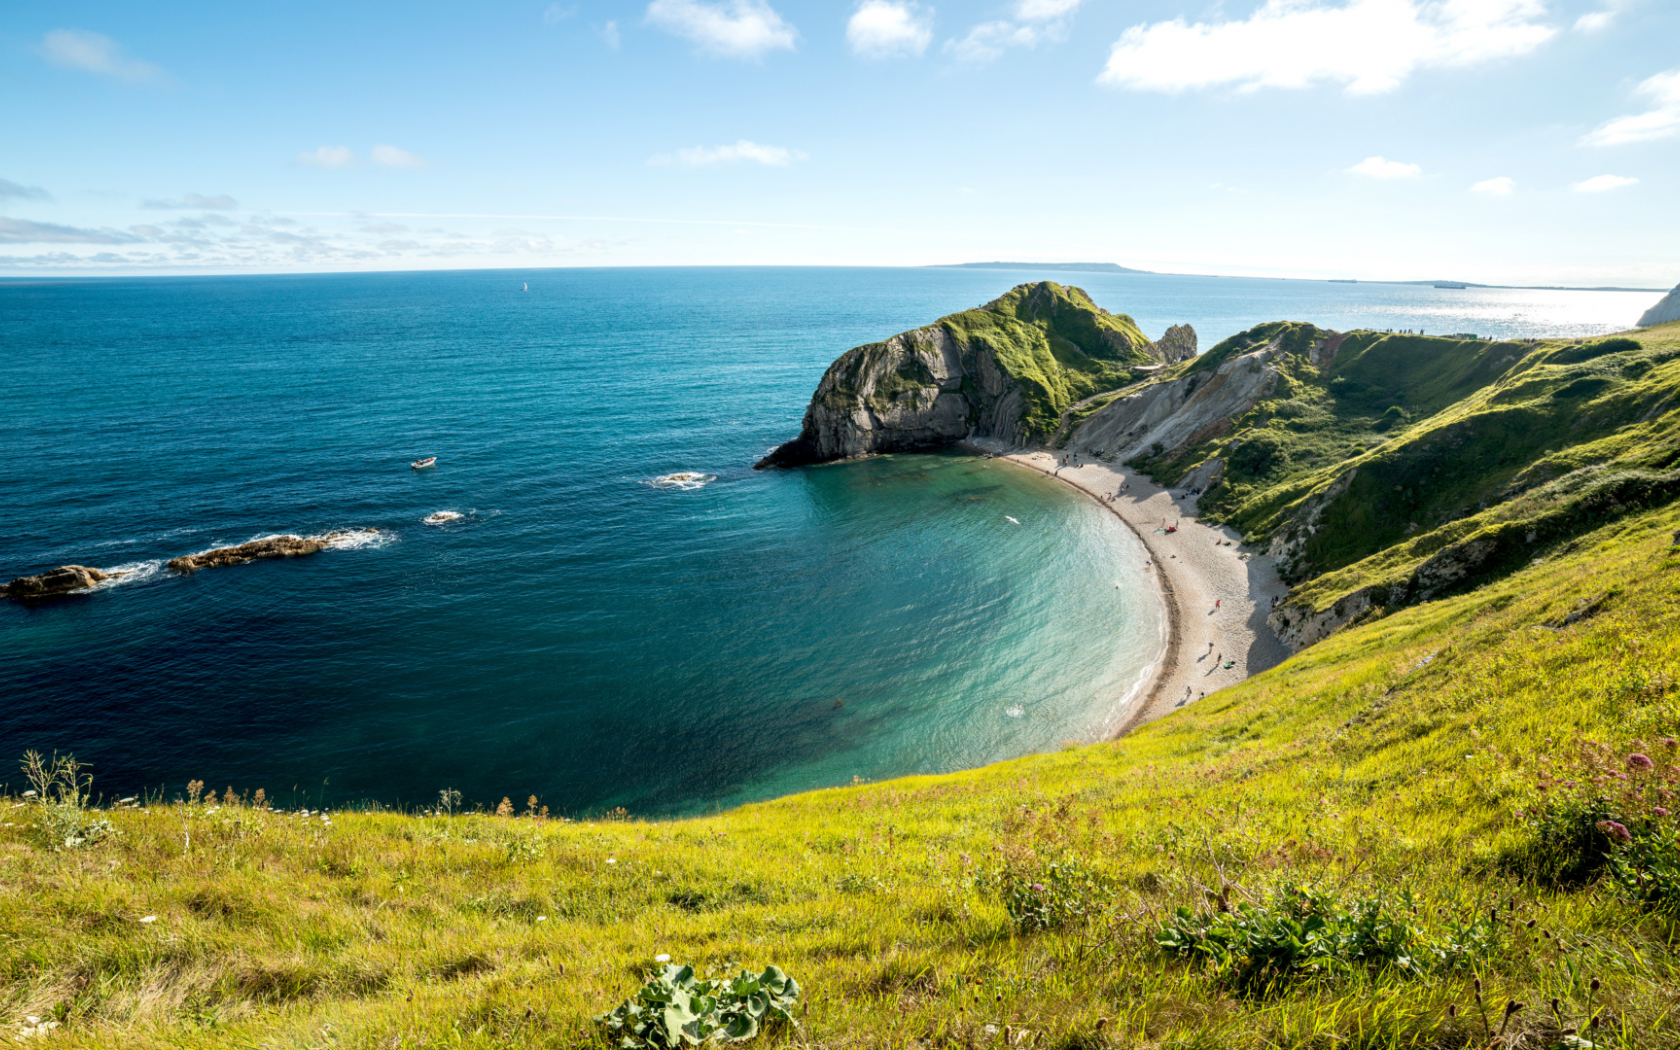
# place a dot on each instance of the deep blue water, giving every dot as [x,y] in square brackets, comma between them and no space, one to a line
[582,632]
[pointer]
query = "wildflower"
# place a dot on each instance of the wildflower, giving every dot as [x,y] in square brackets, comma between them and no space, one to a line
[1038,887]
[1659,811]
[542,918]
[29,794]
[1670,743]
[610,860]
[1639,761]
[661,957]
[1614,830]
[149,918]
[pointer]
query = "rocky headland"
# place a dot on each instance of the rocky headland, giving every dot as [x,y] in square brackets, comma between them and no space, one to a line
[1007,370]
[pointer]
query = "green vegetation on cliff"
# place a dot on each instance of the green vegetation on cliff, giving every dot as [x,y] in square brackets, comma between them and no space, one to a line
[1380,843]
[1056,344]
[1377,453]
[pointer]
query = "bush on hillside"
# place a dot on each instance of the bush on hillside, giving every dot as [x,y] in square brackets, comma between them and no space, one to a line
[61,791]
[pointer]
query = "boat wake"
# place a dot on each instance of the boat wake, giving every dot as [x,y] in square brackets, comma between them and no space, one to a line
[685,480]
[442,517]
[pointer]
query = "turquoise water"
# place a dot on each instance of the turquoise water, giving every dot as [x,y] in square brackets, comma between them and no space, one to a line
[582,631]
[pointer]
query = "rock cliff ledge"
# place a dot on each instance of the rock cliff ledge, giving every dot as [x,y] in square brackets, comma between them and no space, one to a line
[1006,370]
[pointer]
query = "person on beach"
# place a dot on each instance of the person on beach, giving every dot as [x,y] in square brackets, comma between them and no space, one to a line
[1216,602]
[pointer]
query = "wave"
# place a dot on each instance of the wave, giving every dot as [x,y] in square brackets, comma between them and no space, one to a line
[442,517]
[686,480]
[357,539]
[128,572]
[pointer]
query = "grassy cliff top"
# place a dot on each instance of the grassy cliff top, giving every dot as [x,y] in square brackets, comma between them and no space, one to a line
[1379,843]
[1056,343]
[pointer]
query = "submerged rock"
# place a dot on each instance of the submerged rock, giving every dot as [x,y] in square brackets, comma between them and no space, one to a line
[272,547]
[54,582]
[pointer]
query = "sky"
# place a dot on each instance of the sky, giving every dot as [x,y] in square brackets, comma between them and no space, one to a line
[1496,141]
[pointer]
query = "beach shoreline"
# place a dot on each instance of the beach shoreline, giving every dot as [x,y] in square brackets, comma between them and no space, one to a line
[1217,595]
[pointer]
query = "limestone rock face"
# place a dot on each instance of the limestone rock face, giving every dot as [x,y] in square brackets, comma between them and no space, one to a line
[903,394]
[272,547]
[1666,310]
[1180,412]
[1179,344]
[50,584]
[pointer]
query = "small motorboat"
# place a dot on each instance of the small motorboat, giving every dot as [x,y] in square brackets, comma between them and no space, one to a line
[422,464]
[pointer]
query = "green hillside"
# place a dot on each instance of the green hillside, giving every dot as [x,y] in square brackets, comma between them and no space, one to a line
[1388,451]
[1450,826]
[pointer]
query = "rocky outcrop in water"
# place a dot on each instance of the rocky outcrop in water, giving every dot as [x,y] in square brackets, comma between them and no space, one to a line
[1666,310]
[1006,370]
[53,583]
[272,547]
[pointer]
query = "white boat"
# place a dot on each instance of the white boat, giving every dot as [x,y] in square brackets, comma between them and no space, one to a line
[422,464]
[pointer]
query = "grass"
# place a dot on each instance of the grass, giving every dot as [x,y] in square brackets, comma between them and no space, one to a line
[1396,766]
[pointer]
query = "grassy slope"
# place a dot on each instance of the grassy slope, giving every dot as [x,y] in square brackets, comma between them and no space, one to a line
[1446,440]
[1392,756]
[1056,343]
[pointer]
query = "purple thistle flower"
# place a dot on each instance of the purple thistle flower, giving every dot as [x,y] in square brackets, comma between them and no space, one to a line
[1659,811]
[1615,830]
[1038,887]
[1639,761]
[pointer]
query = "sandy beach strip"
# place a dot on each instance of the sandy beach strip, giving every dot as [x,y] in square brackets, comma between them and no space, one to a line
[1217,594]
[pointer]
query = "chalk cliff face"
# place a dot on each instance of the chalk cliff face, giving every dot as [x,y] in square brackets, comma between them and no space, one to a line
[1183,411]
[1666,310]
[1006,370]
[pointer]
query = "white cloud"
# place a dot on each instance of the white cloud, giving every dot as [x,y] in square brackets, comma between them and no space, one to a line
[328,157]
[1034,22]
[609,33]
[96,53]
[1593,21]
[1495,187]
[742,150]
[1380,168]
[887,29]
[22,231]
[1370,46]
[556,13]
[1601,183]
[220,202]
[1659,122]
[393,157]
[17,191]
[733,29]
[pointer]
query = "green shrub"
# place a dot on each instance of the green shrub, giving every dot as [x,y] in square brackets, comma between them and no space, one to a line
[1301,933]
[1648,868]
[674,1009]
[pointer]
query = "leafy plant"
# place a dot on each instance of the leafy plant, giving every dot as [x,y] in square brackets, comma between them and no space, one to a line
[1301,933]
[677,1009]
[61,790]
[1648,869]
[1051,896]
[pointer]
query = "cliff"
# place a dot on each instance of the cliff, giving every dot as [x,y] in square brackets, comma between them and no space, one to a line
[1666,310]
[1009,370]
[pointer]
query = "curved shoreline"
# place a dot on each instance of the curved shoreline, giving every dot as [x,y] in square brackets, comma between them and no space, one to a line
[1217,596]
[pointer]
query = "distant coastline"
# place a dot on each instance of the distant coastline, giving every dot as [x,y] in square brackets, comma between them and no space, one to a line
[1117,268]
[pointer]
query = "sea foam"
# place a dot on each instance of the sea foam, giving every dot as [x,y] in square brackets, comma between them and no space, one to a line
[686,480]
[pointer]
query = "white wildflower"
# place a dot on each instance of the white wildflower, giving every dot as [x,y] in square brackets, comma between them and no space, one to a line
[149,918]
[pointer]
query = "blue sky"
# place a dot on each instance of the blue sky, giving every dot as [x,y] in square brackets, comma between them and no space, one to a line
[1508,141]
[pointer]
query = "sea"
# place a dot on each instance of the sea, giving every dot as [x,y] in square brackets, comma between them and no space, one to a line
[591,600]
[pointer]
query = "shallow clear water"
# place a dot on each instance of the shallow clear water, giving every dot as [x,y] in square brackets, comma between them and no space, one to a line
[582,632]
